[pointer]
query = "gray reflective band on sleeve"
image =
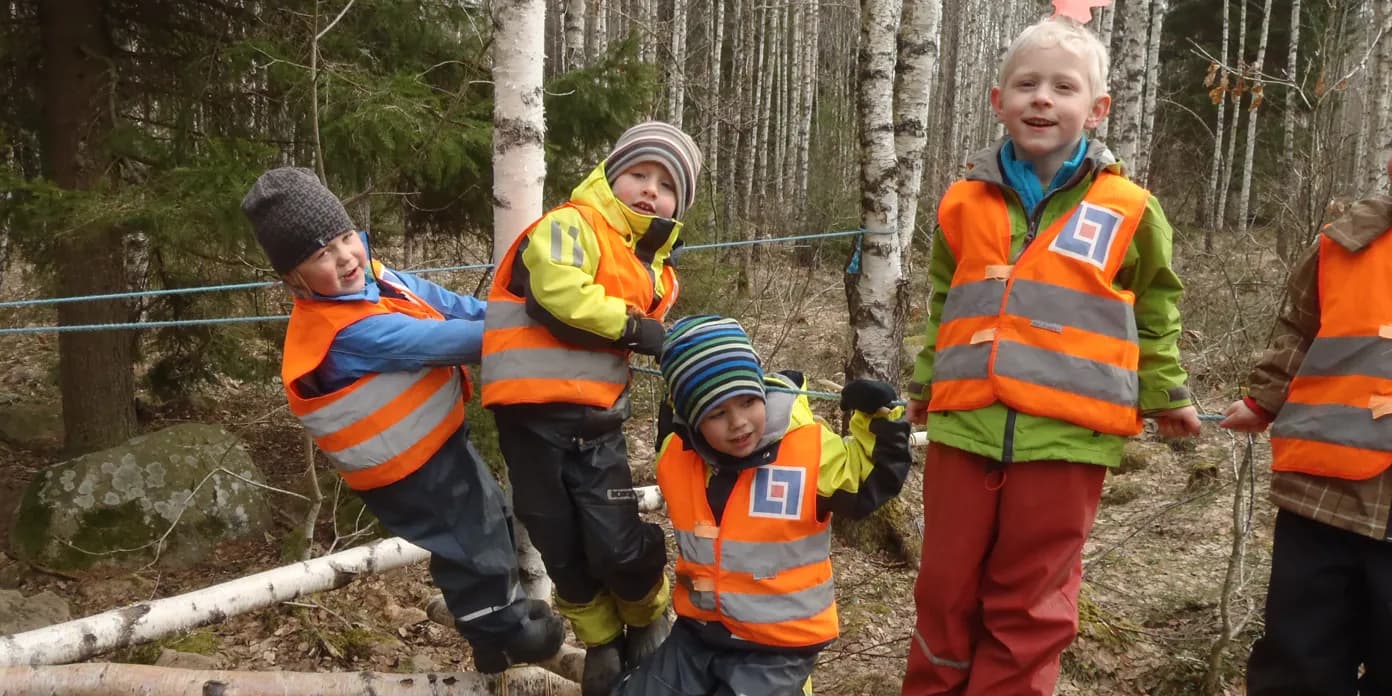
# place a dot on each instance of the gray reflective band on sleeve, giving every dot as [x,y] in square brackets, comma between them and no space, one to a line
[1066,307]
[1335,424]
[777,608]
[367,399]
[1335,356]
[980,298]
[765,560]
[554,363]
[962,362]
[1068,373]
[403,434]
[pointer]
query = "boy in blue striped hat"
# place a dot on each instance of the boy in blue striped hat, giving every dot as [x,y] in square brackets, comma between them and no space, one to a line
[751,479]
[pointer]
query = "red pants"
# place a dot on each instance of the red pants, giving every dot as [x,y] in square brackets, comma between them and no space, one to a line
[997,590]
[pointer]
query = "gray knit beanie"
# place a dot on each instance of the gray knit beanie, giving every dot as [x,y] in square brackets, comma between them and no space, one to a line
[664,144]
[293,215]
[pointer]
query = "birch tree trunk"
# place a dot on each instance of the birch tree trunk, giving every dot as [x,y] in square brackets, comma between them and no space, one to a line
[1381,139]
[1238,88]
[1130,79]
[1218,93]
[811,34]
[763,91]
[1245,196]
[598,42]
[713,108]
[875,296]
[646,22]
[1145,146]
[123,679]
[574,35]
[915,72]
[676,65]
[519,121]
[1105,17]
[1293,171]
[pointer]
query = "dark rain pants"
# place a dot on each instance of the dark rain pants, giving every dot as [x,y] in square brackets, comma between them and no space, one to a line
[453,508]
[573,490]
[687,666]
[1328,610]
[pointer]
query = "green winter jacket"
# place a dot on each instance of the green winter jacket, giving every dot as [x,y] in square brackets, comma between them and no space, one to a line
[1007,435]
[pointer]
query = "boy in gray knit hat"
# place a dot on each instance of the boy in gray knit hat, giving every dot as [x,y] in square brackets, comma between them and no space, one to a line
[751,481]
[579,291]
[372,369]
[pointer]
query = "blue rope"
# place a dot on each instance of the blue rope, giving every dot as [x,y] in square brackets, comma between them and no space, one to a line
[139,324]
[423,271]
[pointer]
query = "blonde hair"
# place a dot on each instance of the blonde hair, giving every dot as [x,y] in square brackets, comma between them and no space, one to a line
[1068,35]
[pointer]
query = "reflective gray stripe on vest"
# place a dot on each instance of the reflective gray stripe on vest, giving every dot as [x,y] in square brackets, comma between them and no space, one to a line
[504,314]
[777,608]
[1335,356]
[1059,306]
[981,298]
[401,435]
[695,549]
[759,559]
[705,601]
[366,400]
[765,560]
[554,363]
[962,362]
[1068,373]
[1334,423]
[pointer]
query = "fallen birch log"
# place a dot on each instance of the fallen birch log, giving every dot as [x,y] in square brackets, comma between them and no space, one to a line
[82,639]
[109,679]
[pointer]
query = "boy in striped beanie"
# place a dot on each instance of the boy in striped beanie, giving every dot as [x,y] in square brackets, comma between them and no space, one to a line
[751,479]
[580,290]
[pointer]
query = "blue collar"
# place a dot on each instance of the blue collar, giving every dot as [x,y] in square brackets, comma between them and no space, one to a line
[1019,174]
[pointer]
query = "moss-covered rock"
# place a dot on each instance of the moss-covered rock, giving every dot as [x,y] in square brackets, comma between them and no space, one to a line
[34,425]
[114,507]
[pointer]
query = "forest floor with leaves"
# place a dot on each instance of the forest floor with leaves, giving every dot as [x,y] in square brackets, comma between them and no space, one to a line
[1155,565]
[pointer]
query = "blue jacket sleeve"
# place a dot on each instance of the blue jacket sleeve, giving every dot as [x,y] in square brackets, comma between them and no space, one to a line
[449,303]
[398,343]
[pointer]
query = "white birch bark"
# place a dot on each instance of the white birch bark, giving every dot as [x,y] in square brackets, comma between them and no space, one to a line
[598,42]
[1229,161]
[758,178]
[1129,81]
[519,120]
[646,21]
[1244,197]
[1381,121]
[811,34]
[106,679]
[714,105]
[914,75]
[1145,144]
[1105,17]
[1220,88]
[574,35]
[778,123]
[875,296]
[676,65]
[1293,170]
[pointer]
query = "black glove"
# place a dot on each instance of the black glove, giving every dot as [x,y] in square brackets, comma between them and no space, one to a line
[643,335]
[866,395]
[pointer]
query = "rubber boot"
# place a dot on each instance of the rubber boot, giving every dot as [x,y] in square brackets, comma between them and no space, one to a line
[603,667]
[642,641]
[539,638]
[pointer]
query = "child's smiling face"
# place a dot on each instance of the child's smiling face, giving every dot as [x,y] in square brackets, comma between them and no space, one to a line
[647,188]
[735,426]
[1045,101]
[339,268]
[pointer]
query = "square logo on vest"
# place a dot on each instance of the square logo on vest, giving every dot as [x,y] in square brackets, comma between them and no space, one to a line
[777,492]
[1088,234]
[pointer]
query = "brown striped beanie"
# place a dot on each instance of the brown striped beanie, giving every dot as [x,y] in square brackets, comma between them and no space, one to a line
[665,144]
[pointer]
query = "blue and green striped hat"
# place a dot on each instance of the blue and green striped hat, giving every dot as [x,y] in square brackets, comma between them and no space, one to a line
[707,359]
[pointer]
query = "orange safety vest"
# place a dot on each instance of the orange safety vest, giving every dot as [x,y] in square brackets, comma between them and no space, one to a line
[764,571]
[524,363]
[1334,422]
[384,426]
[1048,334]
